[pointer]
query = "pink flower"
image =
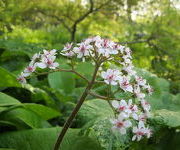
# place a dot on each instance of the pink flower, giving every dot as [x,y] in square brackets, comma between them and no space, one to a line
[105,48]
[120,105]
[95,39]
[140,81]
[82,50]
[128,52]
[133,110]
[48,63]
[119,48]
[129,69]
[148,132]
[138,92]
[111,76]
[49,53]
[47,60]
[121,124]
[149,89]
[67,47]
[125,85]
[128,109]
[145,105]
[127,60]
[21,78]
[139,131]
[142,117]
[35,57]
[30,69]
[67,51]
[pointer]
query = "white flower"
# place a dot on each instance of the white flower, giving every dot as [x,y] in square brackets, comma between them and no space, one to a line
[139,131]
[145,105]
[125,85]
[132,109]
[67,50]
[129,69]
[30,69]
[111,76]
[35,57]
[49,53]
[120,105]
[95,39]
[106,48]
[48,62]
[148,132]
[140,81]
[121,48]
[82,50]
[126,109]
[127,60]
[21,78]
[67,47]
[121,124]
[149,89]
[128,52]
[142,117]
[138,92]
[68,54]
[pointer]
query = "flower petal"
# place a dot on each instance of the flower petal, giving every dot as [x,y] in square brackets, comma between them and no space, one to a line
[41,65]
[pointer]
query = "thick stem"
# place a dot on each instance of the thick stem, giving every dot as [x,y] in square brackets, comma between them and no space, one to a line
[76,109]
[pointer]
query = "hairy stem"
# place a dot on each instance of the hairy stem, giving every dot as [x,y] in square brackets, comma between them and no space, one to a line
[76,109]
[65,70]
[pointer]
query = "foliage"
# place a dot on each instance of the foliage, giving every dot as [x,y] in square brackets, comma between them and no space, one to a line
[28,140]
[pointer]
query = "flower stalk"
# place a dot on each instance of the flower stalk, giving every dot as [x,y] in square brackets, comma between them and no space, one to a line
[76,109]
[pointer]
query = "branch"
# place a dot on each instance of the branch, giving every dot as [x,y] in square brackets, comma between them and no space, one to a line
[98,96]
[102,97]
[134,42]
[65,70]
[101,6]
[80,19]
[57,18]
[99,81]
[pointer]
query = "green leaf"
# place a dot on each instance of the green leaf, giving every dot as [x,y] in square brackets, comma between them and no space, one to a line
[169,118]
[93,110]
[44,112]
[95,115]
[44,139]
[6,123]
[62,80]
[6,100]
[85,69]
[23,118]
[2,109]
[7,79]
[6,149]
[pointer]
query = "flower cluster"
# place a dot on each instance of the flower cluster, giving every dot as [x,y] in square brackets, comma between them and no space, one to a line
[93,46]
[44,60]
[131,114]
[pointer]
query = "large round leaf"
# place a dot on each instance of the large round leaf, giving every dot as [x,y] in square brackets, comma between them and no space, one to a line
[169,118]
[44,139]
[24,118]
[62,80]
[44,112]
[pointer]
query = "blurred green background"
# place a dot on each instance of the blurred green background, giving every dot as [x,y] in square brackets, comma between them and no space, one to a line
[151,28]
